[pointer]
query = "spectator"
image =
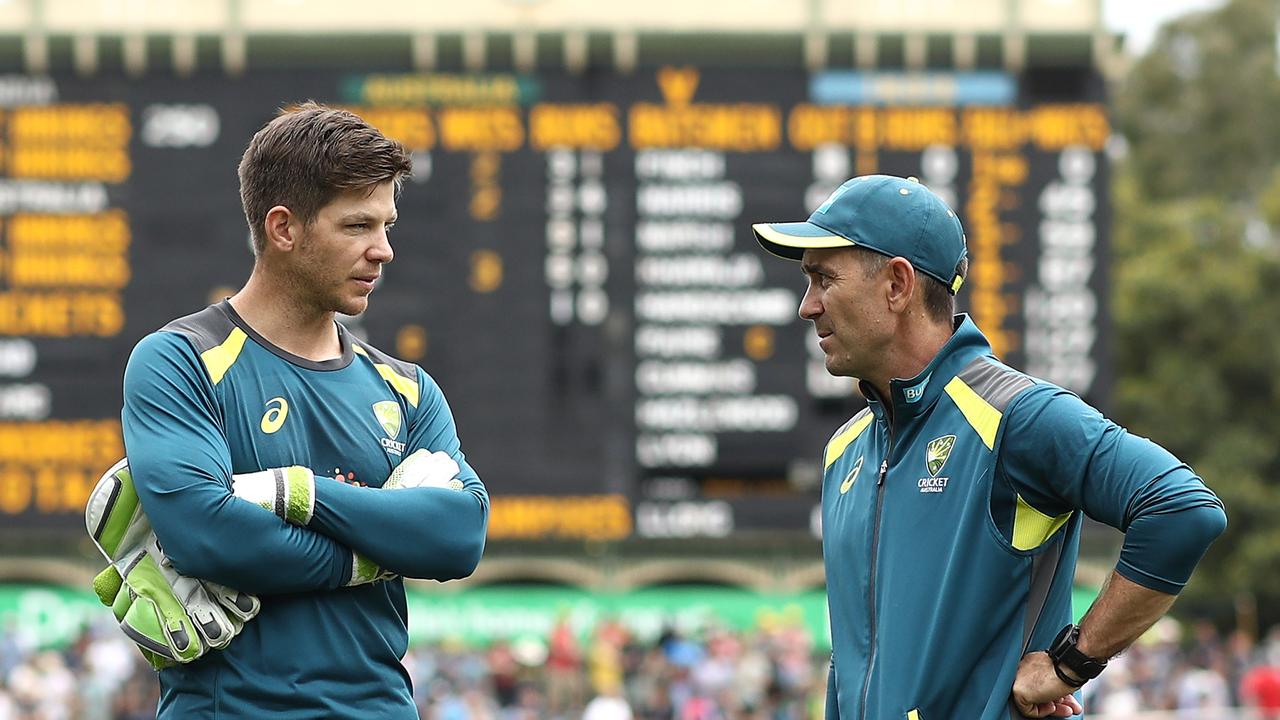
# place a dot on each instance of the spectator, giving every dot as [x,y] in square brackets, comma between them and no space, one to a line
[771,673]
[608,705]
[564,669]
[1260,686]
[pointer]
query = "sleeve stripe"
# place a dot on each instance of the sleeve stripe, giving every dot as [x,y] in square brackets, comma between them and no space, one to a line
[845,437]
[219,359]
[984,418]
[403,385]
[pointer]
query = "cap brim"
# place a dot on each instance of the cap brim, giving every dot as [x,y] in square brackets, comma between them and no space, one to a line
[790,240]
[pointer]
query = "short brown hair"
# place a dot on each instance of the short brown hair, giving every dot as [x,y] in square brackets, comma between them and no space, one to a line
[939,303]
[309,154]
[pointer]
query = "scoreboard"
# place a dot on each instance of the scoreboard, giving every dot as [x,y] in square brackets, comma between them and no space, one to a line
[574,265]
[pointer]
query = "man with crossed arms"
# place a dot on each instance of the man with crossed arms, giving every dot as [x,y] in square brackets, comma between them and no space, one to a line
[272,452]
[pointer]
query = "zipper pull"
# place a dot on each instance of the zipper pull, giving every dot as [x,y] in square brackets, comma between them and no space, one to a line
[884,468]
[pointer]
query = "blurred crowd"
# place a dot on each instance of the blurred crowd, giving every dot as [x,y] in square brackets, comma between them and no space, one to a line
[772,673]
[1193,671]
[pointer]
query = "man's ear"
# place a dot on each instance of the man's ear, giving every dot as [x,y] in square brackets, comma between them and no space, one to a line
[281,229]
[902,284]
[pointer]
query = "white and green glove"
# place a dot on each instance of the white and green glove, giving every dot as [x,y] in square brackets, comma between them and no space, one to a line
[172,618]
[425,469]
[289,492]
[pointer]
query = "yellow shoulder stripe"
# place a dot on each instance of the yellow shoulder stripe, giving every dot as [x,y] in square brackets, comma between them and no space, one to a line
[218,360]
[984,418]
[403,385]
[1031,528]
[836,447]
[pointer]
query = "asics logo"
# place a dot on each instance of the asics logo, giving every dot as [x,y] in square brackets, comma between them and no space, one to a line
[853,475]
[273,418]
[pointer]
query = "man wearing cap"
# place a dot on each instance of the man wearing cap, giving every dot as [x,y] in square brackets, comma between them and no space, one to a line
[952,505]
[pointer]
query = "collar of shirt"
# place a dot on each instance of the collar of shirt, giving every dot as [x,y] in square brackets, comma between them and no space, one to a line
[913,397]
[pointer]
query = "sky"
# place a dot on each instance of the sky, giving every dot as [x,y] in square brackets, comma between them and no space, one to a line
[1139,19]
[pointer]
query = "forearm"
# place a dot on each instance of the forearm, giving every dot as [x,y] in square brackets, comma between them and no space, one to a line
[211,535]
[427,532]
[1123,611]
[261,555]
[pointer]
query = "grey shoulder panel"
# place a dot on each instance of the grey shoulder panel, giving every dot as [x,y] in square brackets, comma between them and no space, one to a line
[993,382]
[851,422]
[404,369]
[206,329]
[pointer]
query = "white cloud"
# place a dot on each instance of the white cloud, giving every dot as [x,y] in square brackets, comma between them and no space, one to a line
[1139,19]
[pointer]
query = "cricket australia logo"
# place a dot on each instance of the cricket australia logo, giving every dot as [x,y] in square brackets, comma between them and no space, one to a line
[935,457]
[388,414]
[937,452]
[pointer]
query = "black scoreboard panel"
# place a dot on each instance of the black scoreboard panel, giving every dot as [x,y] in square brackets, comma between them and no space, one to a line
[574,265]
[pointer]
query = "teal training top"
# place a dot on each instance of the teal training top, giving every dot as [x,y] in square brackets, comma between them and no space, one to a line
[950,531]
[206,397]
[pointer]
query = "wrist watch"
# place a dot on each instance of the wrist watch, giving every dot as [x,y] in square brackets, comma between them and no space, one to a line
[1064,653]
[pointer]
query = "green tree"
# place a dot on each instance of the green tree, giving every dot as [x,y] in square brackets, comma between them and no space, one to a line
[1198,107]
[1197,276]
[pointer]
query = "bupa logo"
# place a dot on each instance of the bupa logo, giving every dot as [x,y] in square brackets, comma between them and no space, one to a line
[936,454]
[388,414]
[914,393]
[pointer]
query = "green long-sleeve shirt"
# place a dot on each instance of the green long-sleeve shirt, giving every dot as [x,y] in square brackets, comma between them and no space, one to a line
[951,526]
[207,397]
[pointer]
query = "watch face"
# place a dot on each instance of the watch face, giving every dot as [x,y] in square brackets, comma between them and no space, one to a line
[1061,642]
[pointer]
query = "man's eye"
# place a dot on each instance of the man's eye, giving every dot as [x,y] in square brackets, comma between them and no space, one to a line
[358,226]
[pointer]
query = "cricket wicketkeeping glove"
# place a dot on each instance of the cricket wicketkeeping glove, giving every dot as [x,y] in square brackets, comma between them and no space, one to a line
[425,469]
[172,618]
[289,492]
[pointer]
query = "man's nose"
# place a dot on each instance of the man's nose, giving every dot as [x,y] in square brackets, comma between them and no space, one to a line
[380,251]
[810,306]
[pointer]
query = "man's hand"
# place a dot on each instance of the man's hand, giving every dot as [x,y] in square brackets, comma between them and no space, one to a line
[365,571]
[425,469]
[289,492]
[1039,693]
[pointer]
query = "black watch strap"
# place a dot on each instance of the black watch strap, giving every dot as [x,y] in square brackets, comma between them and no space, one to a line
[1064,653]
[1067,679]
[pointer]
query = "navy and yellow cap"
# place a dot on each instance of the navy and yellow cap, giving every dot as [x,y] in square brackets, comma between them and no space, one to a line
[893,216]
